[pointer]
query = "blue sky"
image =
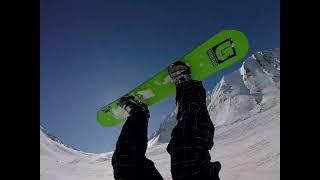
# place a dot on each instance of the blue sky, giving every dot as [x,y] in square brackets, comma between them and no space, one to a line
[93,51]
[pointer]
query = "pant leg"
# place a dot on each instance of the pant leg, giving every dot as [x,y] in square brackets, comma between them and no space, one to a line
[192,137]
[129,161]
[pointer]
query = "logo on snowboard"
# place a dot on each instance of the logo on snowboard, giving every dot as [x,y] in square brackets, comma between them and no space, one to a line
[222,52]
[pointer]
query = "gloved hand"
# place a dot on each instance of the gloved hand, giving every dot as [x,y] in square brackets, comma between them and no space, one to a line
[133,106]
[215,169]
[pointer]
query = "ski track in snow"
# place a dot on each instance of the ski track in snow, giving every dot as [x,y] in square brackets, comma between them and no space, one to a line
[245,106]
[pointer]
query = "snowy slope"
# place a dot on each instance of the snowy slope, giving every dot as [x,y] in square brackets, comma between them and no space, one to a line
[247,149]
[245,107]
[59,162]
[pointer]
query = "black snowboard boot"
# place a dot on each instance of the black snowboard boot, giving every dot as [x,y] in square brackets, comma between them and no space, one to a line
[179,72]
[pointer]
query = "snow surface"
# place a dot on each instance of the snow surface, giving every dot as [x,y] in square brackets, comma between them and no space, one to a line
[245,108]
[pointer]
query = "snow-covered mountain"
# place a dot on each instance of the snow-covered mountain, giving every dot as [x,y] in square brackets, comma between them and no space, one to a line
[252,89]
[245,108]
[54,138]
[60,162]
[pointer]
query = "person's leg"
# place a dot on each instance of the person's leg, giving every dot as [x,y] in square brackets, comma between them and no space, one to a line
[129,161]
[192,137]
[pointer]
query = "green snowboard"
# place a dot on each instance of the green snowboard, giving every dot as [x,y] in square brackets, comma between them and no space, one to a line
[219,52]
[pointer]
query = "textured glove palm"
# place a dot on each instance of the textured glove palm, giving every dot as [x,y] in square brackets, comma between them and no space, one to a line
[133,106]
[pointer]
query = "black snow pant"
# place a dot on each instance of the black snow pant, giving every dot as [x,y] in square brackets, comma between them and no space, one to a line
[191,140]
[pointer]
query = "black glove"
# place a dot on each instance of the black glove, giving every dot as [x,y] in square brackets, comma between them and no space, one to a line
[215,169]
[134,107]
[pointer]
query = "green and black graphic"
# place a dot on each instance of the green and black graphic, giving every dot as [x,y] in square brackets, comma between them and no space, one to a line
[221,50]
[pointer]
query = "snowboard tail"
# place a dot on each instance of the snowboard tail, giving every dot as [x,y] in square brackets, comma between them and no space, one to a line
[218,52]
